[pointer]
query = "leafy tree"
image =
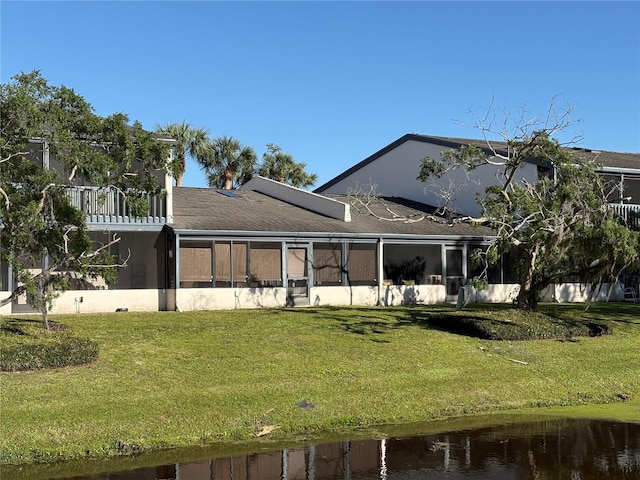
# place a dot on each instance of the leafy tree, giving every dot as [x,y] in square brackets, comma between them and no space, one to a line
[558,223]
[227,163]
[281,167]
[37,217]
[190,141]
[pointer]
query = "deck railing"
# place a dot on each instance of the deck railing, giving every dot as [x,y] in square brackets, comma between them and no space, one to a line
[629,212]
[109,205]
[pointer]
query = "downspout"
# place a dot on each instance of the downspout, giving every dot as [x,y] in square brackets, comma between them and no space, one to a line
[443,259]
[380,271]
[45,155]
[168,187]
[46,165]
[176,249]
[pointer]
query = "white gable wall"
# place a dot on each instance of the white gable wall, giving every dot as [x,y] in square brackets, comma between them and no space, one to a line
[395,175]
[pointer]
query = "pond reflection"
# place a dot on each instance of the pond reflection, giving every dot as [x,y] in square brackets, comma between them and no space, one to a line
[573,449]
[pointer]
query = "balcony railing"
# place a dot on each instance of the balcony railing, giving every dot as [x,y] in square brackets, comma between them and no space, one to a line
[109,206]
[629,212]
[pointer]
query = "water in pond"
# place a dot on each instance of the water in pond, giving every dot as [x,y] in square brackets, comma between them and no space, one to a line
[558,449]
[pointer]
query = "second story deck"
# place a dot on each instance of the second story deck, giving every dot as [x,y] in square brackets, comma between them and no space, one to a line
[108,208]
[630,213]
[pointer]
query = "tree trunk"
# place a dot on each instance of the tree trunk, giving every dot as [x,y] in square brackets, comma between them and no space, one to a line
[182,167]
[42,285]
[228,179]
[528,295]
[45,317]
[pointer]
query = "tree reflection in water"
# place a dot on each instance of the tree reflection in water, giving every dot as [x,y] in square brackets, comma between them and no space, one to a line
[571,449]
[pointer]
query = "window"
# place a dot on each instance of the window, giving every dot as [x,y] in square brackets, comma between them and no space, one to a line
[493,272]
[266,264]
[327,264]
[512,262]
[417,264]
[296,262]
[195,265]
[231,264]
[362,264]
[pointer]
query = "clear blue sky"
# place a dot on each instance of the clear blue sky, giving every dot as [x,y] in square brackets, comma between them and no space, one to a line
[333,82]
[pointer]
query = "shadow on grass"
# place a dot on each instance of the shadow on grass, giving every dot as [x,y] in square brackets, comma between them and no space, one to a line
[19,326]
[27,326]
[374,322]
[495,322]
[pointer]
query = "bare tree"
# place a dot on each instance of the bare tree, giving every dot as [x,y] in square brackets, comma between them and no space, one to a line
[557,222]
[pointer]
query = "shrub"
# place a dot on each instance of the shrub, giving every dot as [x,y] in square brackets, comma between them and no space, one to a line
[514,324]
[26,345]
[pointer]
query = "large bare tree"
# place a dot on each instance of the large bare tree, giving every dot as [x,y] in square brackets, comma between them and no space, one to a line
[558,223]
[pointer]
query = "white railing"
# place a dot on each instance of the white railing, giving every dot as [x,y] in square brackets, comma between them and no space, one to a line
[629,212]
[108,205]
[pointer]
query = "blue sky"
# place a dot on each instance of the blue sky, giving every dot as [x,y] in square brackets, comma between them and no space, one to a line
[334,82]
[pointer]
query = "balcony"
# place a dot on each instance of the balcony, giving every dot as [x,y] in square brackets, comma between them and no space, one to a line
[108,206]
[629,212]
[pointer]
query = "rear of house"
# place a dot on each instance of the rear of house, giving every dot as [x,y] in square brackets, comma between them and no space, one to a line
[271,245]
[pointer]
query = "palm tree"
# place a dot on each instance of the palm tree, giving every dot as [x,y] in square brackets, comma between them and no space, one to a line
[191,141]
[228,164]
[281,167]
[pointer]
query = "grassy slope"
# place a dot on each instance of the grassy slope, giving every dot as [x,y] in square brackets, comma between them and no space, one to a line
[185,378]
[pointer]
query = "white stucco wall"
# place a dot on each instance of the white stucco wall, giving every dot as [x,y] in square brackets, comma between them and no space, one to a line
[5,310]
[99,301]
[395,172]
[188,299]
[494,293]
[324,296]
[579,292]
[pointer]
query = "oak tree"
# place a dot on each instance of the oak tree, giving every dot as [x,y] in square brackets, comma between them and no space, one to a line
[44,237]
[558,223]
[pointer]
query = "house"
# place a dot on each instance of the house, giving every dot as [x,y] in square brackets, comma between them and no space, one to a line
[141,245]
[394,170]
[271,245]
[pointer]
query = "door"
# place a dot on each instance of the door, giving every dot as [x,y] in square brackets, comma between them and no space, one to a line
[297,275]
[455,270]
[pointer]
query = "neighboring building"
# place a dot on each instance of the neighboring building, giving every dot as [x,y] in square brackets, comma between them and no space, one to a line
[394,170]
[272,245]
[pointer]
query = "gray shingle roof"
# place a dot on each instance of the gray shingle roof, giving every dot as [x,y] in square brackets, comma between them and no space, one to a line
[208,210]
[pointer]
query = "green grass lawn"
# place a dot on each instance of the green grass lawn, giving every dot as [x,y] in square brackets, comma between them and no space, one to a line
[177,379]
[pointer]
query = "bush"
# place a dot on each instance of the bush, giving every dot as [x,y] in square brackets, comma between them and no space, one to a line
[513,324]
[26,345]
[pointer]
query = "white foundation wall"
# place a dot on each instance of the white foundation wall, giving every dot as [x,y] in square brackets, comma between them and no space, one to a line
[188,299]
[494,293]
[324,296]
[102,301]
[579,292]
[6,310]
[412,294]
